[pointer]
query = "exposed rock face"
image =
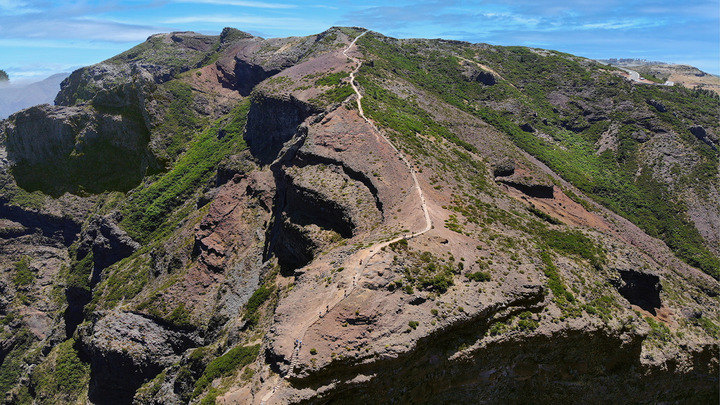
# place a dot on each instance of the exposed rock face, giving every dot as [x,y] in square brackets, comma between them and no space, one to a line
[83,149]
[272,122]
[640,289]
[480,76]
[125,350]
[539,371]
[527,127]
[241,75]
[57,227]
[702,135]
[660,107]
[104,242]
[528,186]
[108,243]
[504,169]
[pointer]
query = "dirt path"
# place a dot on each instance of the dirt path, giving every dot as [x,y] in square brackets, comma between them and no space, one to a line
[362,258]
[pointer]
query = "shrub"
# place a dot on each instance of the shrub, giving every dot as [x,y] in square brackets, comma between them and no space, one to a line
[256,300]
[66,375]
[24,274]
[526,323]
[413,324]
[478,276]
[225,365]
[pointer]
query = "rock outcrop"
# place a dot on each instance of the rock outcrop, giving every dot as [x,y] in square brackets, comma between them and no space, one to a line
[125,350]
[58,149]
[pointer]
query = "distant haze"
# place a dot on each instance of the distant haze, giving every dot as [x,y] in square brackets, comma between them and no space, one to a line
[18,96]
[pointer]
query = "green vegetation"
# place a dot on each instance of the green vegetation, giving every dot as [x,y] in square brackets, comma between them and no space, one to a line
[573,243]
[150,205]
[658,330]
[12,365]
[610,177]
[256,300]
[180,317]
[225,365]
[335,95]
[708,326]
[80,269]
[561,296]
[526,323]
[129,277]
[24,274]
[211,397]
[522,322]
[602,307]
[63,376]
[427,272]
[413,324]
[157,50]
[545,217]
[332,79]
[4,76]
[497,328]
[180,120]
[478,276]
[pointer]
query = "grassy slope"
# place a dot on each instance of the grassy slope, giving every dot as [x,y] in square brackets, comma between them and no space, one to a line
[608,177]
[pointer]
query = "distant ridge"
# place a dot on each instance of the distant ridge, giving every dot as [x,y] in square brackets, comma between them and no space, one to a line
[14,98]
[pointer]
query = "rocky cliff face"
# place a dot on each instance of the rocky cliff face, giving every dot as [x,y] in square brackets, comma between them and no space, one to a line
[213,219]
[87,151]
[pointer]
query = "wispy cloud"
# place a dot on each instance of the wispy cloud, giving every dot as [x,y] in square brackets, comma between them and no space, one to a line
[636,23]
[13,7]
[247,20]
[241,3]
[76,28]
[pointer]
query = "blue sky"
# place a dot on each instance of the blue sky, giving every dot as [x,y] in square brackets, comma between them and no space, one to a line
[41,37]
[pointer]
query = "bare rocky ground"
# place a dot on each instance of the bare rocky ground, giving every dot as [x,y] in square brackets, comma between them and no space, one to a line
[523,289]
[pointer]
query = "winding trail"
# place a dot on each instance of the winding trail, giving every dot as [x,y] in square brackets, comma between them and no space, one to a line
[364,256]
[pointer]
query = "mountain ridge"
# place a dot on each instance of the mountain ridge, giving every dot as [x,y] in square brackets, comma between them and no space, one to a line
[14,98]
[230,196]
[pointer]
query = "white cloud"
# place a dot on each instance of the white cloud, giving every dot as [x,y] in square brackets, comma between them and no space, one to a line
[250,21]
[78,28]
[621,24]
[14,7]
[240,3]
